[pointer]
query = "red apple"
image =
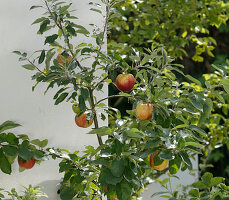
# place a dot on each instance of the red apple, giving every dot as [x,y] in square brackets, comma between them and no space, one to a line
[82,121]
[160,167]
[144,111]
[105,189]
[67,59]
[125,82]
[26,164]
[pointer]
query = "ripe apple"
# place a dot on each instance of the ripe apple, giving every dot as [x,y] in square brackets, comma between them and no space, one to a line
[82,121]
[144,111]
[160,167]
[125,82]
[26,164]
[67,59]
[105,189]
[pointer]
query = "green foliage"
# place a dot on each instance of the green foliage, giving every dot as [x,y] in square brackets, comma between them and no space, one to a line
[30,193]
[208,187]
[175,24]
[13,146]
[183,112]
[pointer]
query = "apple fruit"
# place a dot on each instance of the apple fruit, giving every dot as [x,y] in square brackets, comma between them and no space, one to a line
[26,164]
[105,189]
[67,59]
[75,108]
[82,121]
[144,111]
[125,82]
[160,167]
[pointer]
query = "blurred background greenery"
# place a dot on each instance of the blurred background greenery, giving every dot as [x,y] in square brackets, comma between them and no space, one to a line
[196,34]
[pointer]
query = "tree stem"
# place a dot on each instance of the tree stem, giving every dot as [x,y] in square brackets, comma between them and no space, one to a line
[95,114]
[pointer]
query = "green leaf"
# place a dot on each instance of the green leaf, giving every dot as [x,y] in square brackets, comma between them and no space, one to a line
[24,152]
[225,83]
[61,98]
[64,9]
[5,166]
[102,131]
[181,143]
[198,130]
[39,20]
[174,165]
[196,104]
[33,7]
[42,57]
[117,168]
[199,185]
[194,193]
[84,92]
[17,52]
[67,193]
[206,178]
[96,10]
[186,159]
[8,125]
[166,154]
[51,39]
[207,108]
[106,177]
[193,80]
[216,180]
[82,104]
[194,144]
[44,25]
[10,151]
[71,30]
[29,67]
[124,190]
[134,133]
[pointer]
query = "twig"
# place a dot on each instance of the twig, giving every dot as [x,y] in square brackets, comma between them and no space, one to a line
[59,25]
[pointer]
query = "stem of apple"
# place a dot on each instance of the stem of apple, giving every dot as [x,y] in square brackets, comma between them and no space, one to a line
[91,96]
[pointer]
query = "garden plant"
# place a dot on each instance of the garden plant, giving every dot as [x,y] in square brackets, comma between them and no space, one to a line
[163,131]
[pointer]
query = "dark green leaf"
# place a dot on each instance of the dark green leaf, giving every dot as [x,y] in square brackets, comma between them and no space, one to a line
[186,159]
[117,168]
[33,7]
[61,98]
[82,104]
[5,166]
[24,152]
[10,151]
[44,25]
[42,57]
[67,193]
[51,39]
[166,154]
[124,190]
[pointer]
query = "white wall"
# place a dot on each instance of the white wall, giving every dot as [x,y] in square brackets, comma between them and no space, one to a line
[36,112]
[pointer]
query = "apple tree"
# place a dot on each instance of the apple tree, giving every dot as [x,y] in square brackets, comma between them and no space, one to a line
[164,129]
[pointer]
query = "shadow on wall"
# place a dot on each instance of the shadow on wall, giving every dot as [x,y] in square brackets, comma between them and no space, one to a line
[50,188]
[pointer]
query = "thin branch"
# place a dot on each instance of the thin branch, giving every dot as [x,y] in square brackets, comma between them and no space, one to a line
[36,67]
[59,25]
[114,96]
